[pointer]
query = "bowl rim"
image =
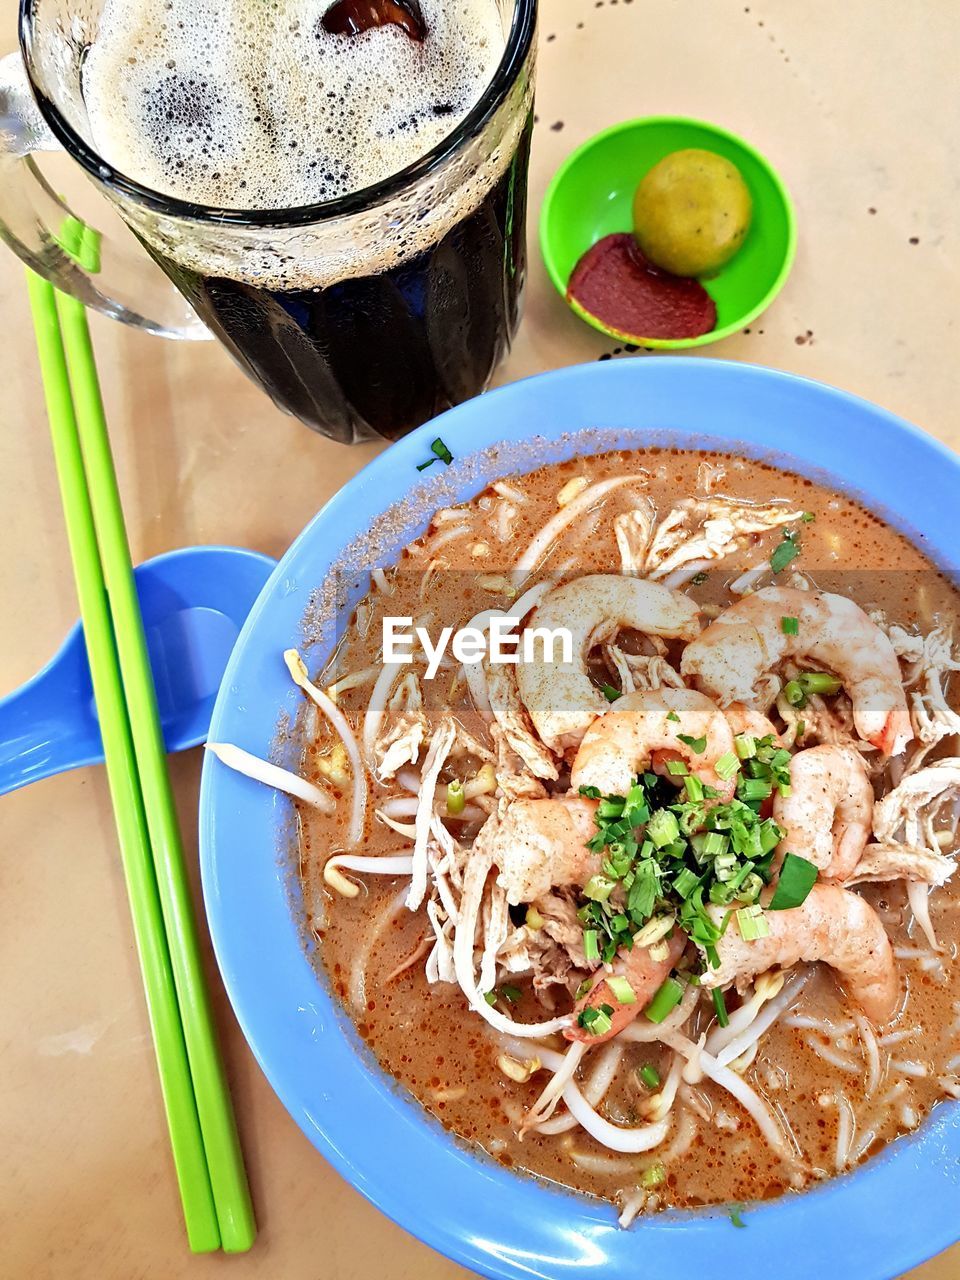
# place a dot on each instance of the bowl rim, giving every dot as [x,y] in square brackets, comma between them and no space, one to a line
[481,1215]
[642,122]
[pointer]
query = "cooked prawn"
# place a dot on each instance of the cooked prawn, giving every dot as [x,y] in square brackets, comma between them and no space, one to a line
[832,925]
[645,975]
[561,698]
[645,729]
[748,640]
[744,719]
[828,813]
[539,845]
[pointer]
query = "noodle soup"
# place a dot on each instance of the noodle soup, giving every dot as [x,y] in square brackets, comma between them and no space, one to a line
[669,920]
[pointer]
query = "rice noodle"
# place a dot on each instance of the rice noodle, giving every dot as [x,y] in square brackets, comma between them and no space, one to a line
[399,864]
[353,680]
[380,579]
[271,775]
[474,880]
[846,1123]
[871,1054]
[661,1103]
[804,1022]
[897,1037]
[338,721]
[768,1124]
[740,586]
[407,829]
[546,1103]
[371,939]
[377,706]
[680,577]
[762,1021]
[594,1087]
[835,1059]
[437,752]
[918,895]
[917,1070]
[537,549]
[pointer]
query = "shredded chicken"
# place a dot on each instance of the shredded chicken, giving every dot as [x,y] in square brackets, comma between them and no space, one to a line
[638,671]
[915,804]
[893,861]
[928,663]
[512,717]
[402,741]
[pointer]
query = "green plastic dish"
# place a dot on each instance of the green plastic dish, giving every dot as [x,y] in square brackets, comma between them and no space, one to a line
[591,196]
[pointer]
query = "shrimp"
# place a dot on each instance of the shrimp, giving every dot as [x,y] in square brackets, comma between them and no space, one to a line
[539,845]
[644,729]
[744,719]
[748,639]
[828,813]
[560,696]
[645,976]
[832,925]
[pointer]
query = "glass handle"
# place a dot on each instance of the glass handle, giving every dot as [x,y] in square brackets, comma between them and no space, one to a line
[117,278]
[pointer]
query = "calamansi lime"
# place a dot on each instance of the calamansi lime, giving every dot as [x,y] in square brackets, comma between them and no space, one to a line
[691,212]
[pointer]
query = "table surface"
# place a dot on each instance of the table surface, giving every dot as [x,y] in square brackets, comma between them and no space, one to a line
[854,103]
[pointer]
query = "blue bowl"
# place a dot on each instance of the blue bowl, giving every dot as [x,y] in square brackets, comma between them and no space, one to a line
[875,1222]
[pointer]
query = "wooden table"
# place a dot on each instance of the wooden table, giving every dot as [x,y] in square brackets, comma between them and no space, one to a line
[856,103]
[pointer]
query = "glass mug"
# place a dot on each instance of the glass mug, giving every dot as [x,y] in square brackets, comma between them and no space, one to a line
[405,295]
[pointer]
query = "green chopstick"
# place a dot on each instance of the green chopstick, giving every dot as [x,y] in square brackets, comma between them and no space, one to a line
[228,1179]
[186,1139]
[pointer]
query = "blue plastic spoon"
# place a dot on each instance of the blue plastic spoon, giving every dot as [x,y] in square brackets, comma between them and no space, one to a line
[194,602]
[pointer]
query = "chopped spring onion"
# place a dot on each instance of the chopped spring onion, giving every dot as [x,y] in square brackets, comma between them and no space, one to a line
[622,989]
[596,1021]
[439,450]
[650,1076]
[592,793]
[752,923]
[720,1005]
[797,878]
[598,888]
[667,997]
[610,692]
[511,994]
[735,1209]
[727,766]
[786,551]
[601,1024]
[725,866]
[790,626]
[808,517]
[746,746]
[794,693]
[693,787]
[456,800]
[755,789]
[697,745]
[749,889]
[672,715]
[801,728]
[677,769]
[489,996]
[663,828]
[533,919]
[686,882]
[819,682]
[590,949]
[656,1174]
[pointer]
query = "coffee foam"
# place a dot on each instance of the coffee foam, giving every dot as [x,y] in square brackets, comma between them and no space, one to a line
[251,104]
